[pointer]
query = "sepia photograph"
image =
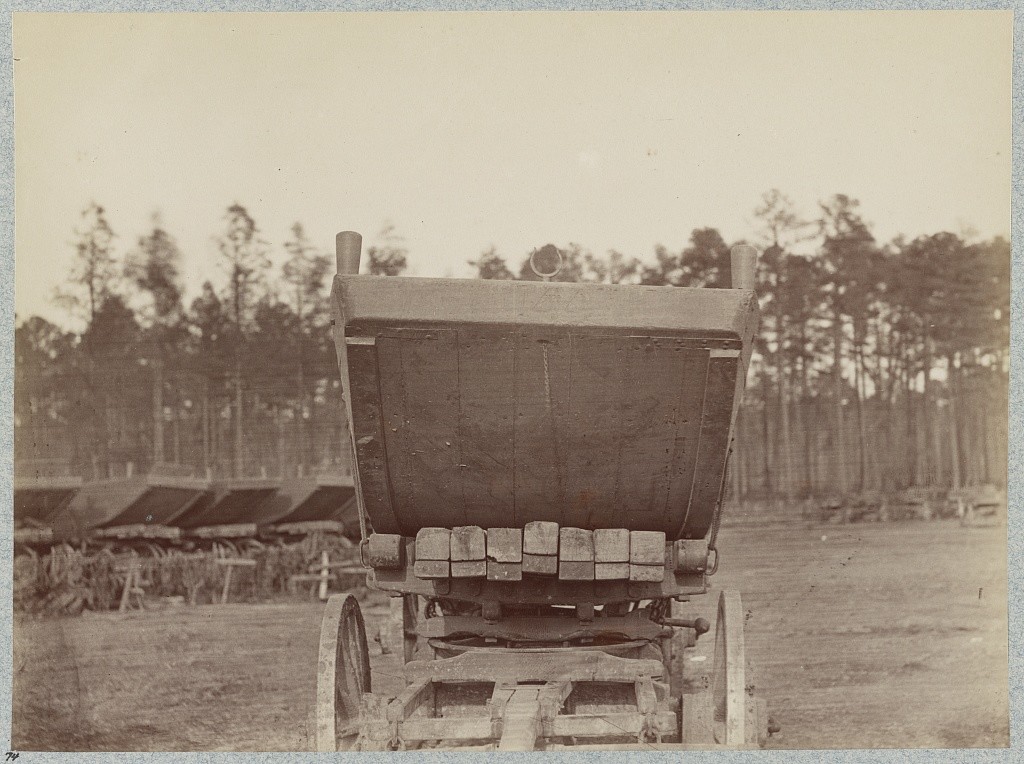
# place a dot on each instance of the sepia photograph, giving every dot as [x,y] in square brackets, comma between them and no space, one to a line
[511,381]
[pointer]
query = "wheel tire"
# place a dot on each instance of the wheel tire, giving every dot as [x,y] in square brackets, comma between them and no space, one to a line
[343,674]
[716,715]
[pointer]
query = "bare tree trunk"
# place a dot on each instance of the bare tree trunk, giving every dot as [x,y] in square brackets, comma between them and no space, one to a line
[206,424]
[858,368]
[984,439]
[932,452]
[239,467]
[785,455]
[839,446]
[954,429]
[176,422]
[158,410]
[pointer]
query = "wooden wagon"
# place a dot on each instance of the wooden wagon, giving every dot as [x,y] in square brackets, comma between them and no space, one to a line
[539,474]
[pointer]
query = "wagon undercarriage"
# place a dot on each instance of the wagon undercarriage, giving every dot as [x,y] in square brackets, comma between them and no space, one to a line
[619,680]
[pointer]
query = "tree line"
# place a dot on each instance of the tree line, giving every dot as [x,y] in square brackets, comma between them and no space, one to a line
[877,366]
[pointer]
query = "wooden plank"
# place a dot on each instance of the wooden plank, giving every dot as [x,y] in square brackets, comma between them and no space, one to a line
[224,531]
[308,527]
[468,542]
[419,392]
[433,544]
[540,589]
[647,548]
[594,431]
[542,423]
[541,628]
[690,404]
[309,577]
[499,697]
[646,697]
[715,431]
[647,399]
[609,724]
[611,545]
[573,570]
[521,720]
[409,700]
[368,435]
[487,426]
[540,538]
[469,569]
[575,545]
[540,564]
[590,666]
[451,728]
[432,569]
[472,301]
[504,571]
[648,573]
[611,571]
[505,544]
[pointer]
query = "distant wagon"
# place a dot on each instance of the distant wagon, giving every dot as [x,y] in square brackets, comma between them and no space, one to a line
[41,510]
[539,470]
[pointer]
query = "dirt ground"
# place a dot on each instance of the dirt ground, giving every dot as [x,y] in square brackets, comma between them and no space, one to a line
[875,635]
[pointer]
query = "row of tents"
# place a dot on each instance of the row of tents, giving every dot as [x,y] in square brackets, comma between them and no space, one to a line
[171,510]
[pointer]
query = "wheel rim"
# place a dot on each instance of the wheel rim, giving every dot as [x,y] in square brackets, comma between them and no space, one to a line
[728,681]
[343,673]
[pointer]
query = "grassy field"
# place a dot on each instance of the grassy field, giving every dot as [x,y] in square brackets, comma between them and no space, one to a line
[875,635]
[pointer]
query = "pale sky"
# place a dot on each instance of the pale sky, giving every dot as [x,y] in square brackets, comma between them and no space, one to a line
[612,130]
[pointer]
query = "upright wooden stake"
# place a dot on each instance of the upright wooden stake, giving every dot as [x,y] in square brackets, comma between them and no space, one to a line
[325,572]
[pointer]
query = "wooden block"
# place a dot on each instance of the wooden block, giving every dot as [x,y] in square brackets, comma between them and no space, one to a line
[611,545]
[385,551]
[469,542]
[647,573]
[505,545]
[433,544]
[570,570]
[540,538]
[575,545]
[611,571]
[504,571]
[541,564]
[469,568]
[431,569]
[647,548]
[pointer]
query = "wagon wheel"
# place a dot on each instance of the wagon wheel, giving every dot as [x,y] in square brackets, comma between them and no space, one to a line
[728,685]
[343,674]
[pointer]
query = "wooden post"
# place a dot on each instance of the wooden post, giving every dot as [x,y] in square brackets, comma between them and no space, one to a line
[325,572]
[347,249]
[227,585]
[132,587]
[129,584]
[231,563]
[744,266]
